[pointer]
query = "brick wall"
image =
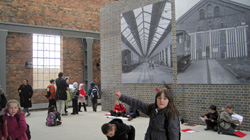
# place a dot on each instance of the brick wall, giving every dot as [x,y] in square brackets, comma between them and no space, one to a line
[69,14]
[72,59]
[191,100]
[18,51]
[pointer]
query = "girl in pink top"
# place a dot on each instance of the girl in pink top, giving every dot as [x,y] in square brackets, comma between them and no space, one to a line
[81,99]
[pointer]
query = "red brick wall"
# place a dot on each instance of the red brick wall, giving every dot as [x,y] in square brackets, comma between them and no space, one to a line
[19,50]
[72,59]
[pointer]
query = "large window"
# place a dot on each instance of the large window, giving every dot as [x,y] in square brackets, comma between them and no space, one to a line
[46,59]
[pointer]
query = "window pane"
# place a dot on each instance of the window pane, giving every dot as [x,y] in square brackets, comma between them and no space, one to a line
[40,46]
[57,55]
[46,39]
[40,39]
[40,54]
[46,47]
[35,47]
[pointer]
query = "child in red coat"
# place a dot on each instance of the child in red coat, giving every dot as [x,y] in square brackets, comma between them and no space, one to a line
[15,129]
[118,110]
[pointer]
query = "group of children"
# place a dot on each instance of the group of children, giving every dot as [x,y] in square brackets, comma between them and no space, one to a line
[164,121]
[221,122]
[78,99]
[164,118]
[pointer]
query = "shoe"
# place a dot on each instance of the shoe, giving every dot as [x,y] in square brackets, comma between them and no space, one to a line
[64,114]
[85,110]
[79,111]
[72,113]
[28,115]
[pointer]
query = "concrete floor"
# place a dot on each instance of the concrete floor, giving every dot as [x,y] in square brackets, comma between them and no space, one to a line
[87,125]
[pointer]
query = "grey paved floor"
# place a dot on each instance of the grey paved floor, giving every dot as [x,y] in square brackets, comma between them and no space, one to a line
[86,126]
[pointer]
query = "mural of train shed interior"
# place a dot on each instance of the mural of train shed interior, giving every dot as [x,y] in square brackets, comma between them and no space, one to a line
[146,44]
[216,36]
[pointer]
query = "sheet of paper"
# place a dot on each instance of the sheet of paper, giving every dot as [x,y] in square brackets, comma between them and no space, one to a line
[237,117]
[203,119]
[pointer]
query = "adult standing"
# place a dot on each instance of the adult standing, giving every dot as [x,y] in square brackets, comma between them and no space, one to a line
[93,93]
[61,95]
[25,93]
[3,100]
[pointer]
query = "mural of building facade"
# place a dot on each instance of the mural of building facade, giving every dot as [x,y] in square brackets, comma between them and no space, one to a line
[218,50]
[146,44]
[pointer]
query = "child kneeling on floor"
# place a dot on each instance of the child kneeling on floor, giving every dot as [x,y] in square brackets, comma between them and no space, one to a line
[117,130]
[227,124]
[53,118]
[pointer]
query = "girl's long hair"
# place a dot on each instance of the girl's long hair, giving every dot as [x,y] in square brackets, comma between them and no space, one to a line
[171,111]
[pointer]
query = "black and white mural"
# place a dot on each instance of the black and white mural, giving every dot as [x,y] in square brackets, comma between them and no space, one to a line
[212,40]
[146,44]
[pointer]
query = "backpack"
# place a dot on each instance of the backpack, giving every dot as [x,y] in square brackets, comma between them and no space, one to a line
[47,94]
[17,119]
[51,119]
[3,101]
[94,93]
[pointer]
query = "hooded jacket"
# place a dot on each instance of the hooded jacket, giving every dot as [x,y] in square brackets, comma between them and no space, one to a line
[92,86]
[226,119]
[15,130]
[76,91]
[82,94]
[160,128]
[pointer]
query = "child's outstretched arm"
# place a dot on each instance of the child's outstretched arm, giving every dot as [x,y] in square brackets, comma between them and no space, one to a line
[135,103]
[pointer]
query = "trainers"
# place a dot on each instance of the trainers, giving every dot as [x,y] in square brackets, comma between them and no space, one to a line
[28,115]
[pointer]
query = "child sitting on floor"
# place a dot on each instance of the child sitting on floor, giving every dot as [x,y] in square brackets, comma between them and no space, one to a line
[53,118]
[211,118]
[119,109]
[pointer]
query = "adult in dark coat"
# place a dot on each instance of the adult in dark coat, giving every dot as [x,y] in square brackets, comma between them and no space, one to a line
[164,123]
[61,95]
[25,93]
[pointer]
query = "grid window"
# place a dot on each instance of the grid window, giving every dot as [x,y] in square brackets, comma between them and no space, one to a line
[46,59]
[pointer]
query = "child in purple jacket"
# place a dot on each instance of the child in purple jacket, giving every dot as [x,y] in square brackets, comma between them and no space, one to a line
[15,129]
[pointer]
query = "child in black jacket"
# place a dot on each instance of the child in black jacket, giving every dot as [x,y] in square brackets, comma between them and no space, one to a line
[211,118]
[117,130]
